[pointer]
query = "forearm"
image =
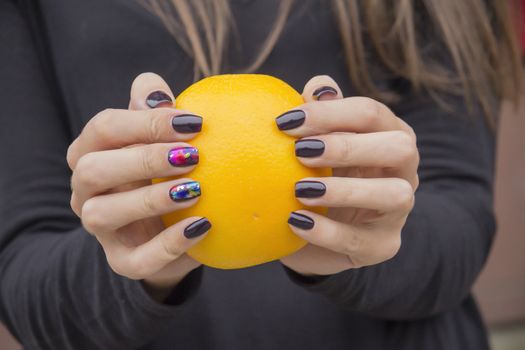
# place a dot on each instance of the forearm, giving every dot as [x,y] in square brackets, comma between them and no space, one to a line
[59,293]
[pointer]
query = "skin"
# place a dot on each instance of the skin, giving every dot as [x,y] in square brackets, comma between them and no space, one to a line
[374,158]
[373,154]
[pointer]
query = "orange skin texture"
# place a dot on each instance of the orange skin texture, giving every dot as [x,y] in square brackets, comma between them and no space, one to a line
[247,170]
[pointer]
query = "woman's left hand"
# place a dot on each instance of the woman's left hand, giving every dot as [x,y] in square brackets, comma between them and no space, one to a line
[374,158]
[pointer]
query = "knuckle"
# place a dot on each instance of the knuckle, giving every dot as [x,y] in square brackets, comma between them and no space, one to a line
[148,161]
[391,247]
[342,196]
[154,126]
[93,218]
[149,204]
[86,173]
[403,198]
[352,243]
[406,147]
[346,147]
[372,112]
[171,249]
[116,265]
[416,182]
[411,132]
[70,157]
[73,203]
[100,124]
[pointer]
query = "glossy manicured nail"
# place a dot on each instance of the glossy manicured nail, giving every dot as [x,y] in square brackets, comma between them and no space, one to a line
[309,189]
[159,99]
[290,120]
[324,91]
[186,123]
[183,156]
[309,148]
[301,221]
[197,228]
[185,191]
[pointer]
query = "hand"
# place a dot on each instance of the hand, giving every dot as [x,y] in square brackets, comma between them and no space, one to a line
[113,160]
[374,158]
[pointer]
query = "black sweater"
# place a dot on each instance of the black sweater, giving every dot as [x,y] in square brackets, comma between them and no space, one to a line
[62,61]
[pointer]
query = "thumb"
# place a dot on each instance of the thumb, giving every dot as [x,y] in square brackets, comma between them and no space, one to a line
[149,90]
[321,88]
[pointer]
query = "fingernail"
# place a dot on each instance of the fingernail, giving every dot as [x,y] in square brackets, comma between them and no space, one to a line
[185,191]
[324,90]
[197,228]
[290,120]
[309,148]
[159,99]
[309,189]
[186,123]
[183,156]
[301,221]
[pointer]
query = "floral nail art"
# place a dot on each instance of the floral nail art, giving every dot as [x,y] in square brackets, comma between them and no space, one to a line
[183,156]
[185,191]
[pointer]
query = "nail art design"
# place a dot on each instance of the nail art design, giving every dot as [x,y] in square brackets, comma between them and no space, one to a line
[186,123]
[309,189]
[185,191]
[324,90]
[197,228]
[159,99]
[309,148]
[290,120]
[183,156]
[301,221]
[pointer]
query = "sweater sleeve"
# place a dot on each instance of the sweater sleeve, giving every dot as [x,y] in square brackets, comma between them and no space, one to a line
[447,236]
[56,289]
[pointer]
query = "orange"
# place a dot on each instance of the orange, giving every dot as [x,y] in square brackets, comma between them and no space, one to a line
[247,170]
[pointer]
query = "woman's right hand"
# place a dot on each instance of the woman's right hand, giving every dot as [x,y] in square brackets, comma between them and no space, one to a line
[113,160]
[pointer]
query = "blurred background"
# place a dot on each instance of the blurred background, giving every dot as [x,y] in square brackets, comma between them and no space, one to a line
[501,287]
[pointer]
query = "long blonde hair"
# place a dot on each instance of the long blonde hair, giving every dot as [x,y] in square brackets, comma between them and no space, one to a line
[479,35]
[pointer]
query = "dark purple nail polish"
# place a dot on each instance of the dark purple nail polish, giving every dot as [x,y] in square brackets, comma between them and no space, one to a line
[301,221]
[324,90]
[183,156]
[309,148]
[186,123]
[309,189]
[290,120]
[185,191]
[159,99]
[197,228]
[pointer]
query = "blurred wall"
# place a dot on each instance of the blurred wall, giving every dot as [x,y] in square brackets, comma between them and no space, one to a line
[501,287]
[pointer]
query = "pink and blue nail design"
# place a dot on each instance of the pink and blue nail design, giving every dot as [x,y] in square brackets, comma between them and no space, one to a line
[183,156]
[185,191]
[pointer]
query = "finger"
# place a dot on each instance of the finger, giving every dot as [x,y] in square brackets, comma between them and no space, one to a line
[149,90]
[352,114]
[97,172]
[321,88]
[322,231]
[396,150]
[362,246]
[114,128]
[107,213]
[150,257]
[383,194]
